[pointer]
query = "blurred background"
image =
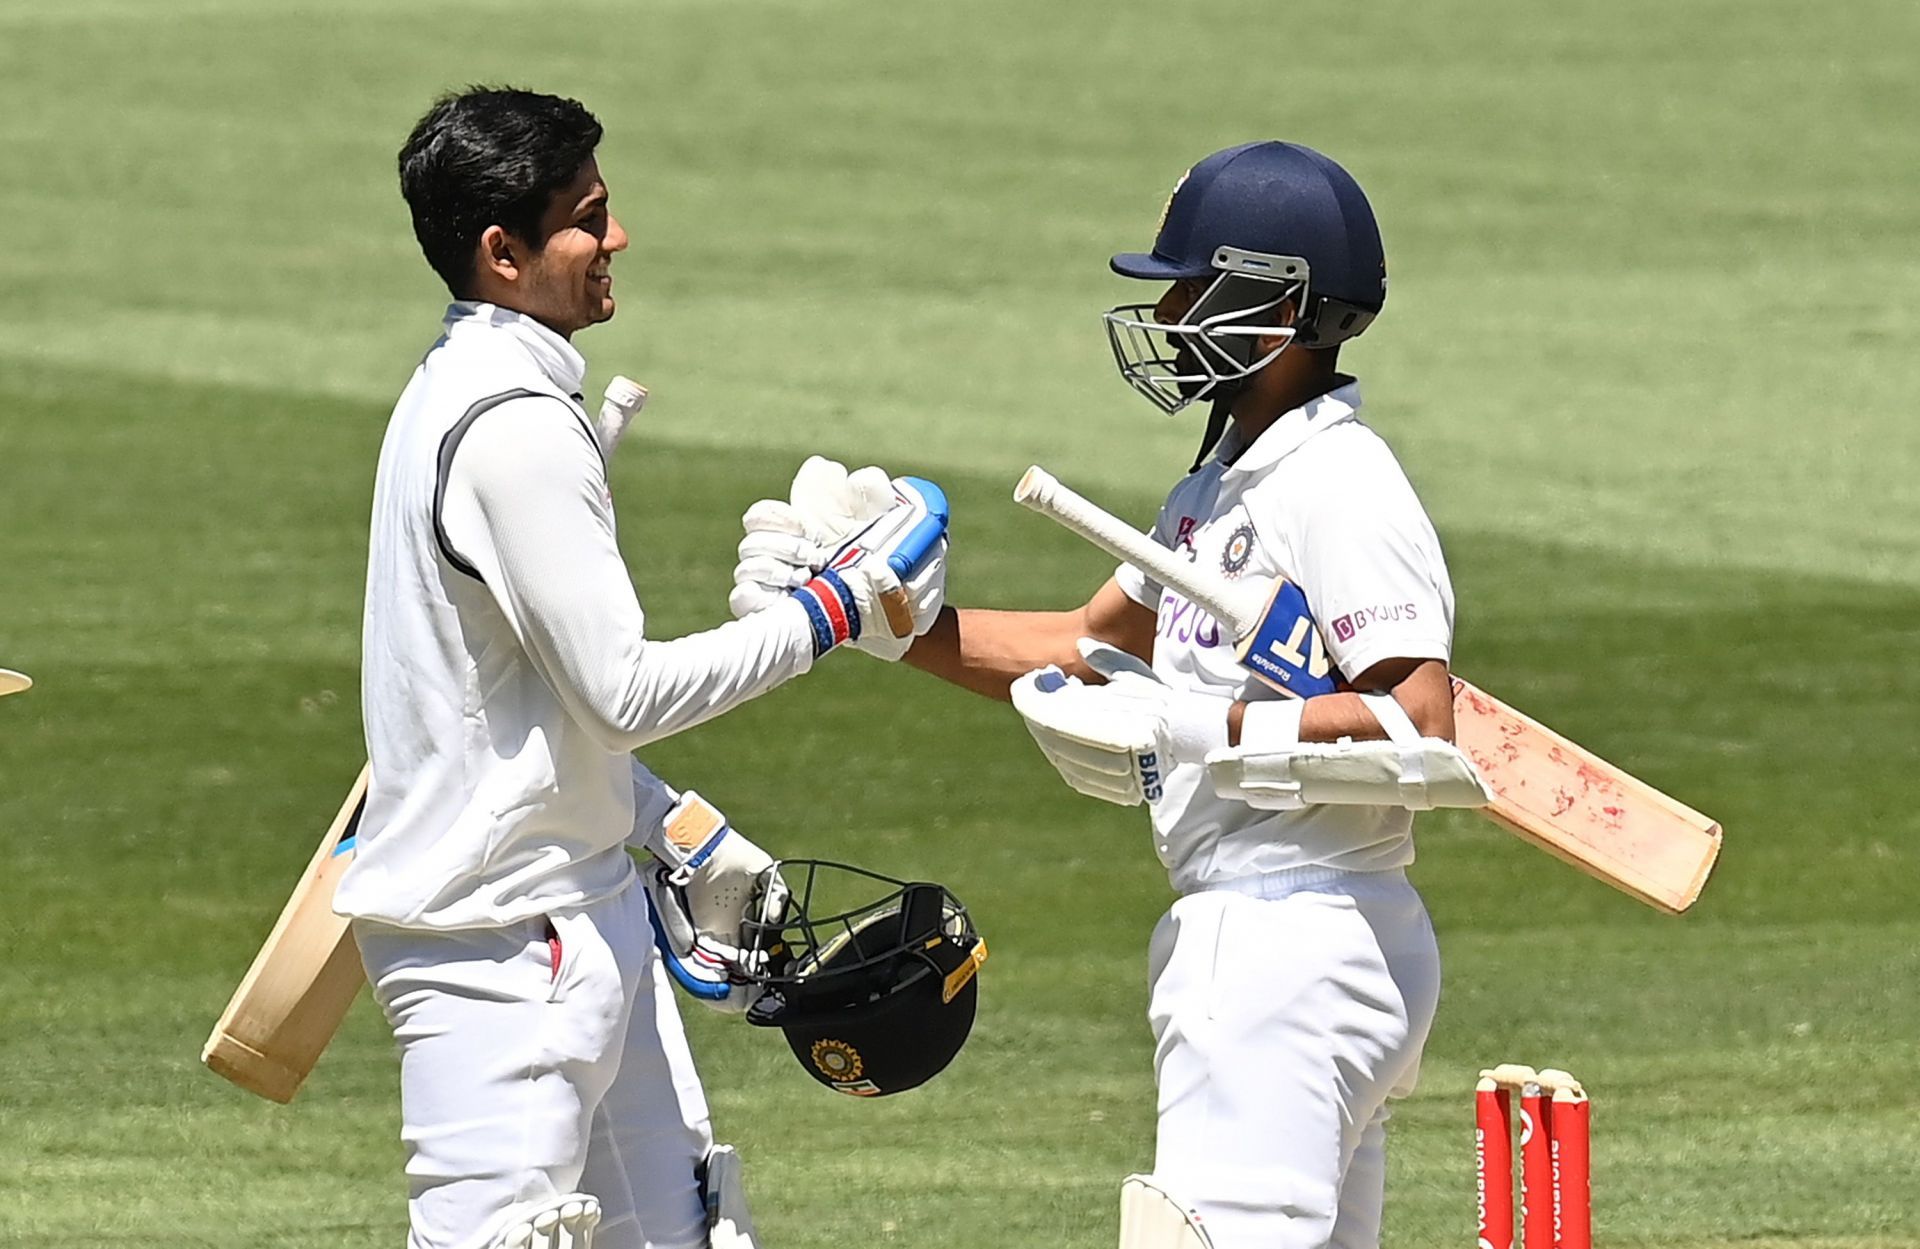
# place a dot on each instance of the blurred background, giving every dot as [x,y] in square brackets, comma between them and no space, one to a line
[1648,357]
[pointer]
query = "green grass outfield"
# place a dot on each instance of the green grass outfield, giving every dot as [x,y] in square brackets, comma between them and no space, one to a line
[1649,358]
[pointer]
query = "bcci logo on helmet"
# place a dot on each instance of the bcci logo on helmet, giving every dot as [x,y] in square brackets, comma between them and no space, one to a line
[872,979]
[837,1060]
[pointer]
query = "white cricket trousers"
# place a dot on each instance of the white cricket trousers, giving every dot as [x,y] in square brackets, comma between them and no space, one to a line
[1286,1010]
[539,1059]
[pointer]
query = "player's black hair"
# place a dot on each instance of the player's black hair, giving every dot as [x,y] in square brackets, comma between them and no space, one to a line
[489,156]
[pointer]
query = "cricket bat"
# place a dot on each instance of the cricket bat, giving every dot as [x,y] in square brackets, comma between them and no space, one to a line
[1547,790]
[302,981]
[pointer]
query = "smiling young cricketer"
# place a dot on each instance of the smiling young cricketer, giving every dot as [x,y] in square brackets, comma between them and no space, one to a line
[545,1080]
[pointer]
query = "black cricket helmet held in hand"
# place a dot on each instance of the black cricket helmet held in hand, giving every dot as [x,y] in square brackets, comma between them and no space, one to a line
[1263,224]
[873,980]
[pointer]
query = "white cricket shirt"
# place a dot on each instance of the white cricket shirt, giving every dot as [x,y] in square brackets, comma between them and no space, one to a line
[505,667]
[1319,499]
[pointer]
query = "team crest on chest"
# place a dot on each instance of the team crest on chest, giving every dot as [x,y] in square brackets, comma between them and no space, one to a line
[1238,552]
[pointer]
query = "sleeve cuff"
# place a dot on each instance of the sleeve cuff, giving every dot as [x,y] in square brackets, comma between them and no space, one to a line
[796,628]
[653,798]
[1357,660]
[1135,585]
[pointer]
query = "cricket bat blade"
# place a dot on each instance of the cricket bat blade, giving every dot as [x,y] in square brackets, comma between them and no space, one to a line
[301,982]
[1576,806]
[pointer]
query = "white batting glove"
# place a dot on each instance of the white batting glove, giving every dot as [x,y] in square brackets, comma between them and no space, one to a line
[1117,741]
[843,600]
[787,542]
[926,585]
[704,880]
[777,556]
[834,502]
[828,546]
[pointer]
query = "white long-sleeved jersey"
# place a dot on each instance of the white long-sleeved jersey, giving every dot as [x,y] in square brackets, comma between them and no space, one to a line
[505,669]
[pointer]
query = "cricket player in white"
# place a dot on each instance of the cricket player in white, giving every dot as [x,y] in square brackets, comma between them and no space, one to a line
[1295,977]
[546,1085]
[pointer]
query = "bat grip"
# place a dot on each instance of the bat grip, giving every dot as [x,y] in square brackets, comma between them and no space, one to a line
[913,549]
[1237,607]
[912,552]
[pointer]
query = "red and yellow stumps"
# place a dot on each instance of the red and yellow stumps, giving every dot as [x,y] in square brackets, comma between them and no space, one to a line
[1493,1163]
[1536,1168]
[1555,1192]
[1572,1171]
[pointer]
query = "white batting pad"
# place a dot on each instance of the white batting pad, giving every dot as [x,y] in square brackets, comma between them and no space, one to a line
[564,1222]
[1151,1218]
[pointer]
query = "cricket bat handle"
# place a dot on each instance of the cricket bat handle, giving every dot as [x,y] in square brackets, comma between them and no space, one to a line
[1042,492]
[913,551]
[624,399]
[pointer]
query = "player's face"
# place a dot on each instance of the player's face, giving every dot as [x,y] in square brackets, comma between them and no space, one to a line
[1179,300]
[567,284]
[1172,310]
[1176,305]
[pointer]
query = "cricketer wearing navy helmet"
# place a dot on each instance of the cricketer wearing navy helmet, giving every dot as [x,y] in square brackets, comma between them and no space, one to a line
[1295,975]
[1274,200]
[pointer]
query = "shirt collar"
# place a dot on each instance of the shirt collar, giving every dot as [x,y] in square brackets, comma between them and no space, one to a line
[554,355]
[1285,435]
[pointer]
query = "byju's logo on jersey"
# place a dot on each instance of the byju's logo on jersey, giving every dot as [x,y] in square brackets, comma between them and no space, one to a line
[1344,627]
[1180,620]
[1235,556]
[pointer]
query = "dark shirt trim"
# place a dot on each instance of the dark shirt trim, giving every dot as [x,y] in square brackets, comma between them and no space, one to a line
[450,443]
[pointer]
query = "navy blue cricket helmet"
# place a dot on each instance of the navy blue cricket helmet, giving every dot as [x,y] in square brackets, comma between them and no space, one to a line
[1267,223]
[876,994]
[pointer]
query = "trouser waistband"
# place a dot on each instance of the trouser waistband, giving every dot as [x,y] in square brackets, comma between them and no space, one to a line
[1288,880]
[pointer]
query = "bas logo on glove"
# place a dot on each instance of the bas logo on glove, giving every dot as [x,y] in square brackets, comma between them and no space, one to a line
[1117,741]
[1100,754]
